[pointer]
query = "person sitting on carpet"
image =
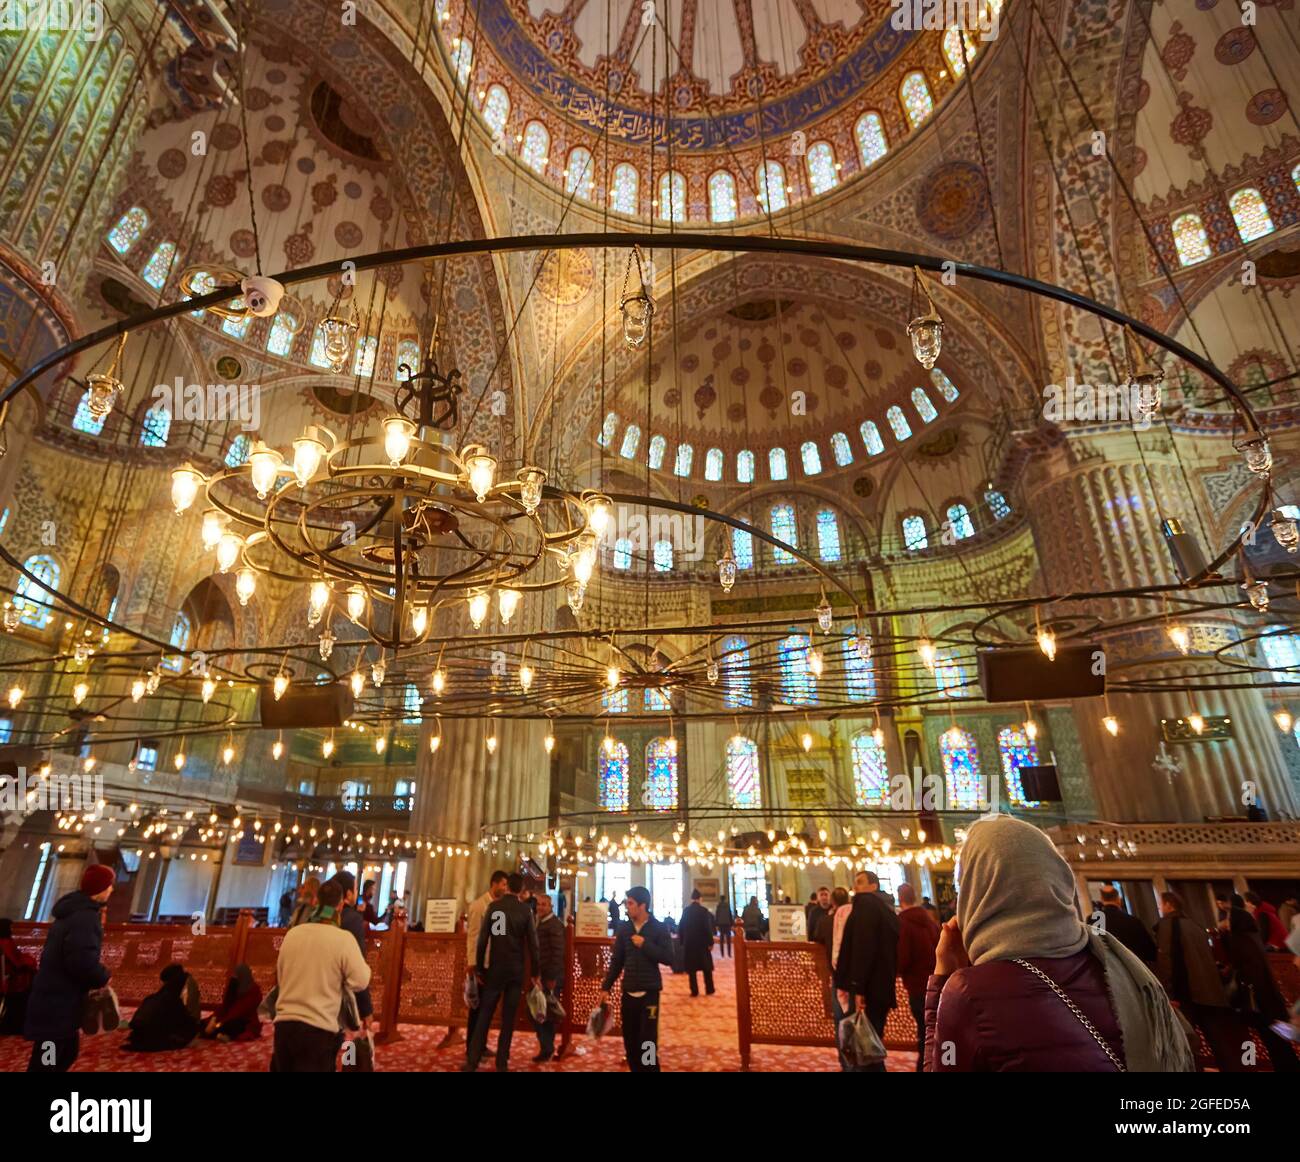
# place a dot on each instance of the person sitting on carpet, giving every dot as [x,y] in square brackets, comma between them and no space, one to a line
[163,1022]
[236,1017]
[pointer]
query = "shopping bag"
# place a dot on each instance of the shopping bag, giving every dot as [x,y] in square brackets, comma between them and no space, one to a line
[859,1041]
[359,1054]
[601,1021]
[537,1004]
[100,1012]
[554,1010]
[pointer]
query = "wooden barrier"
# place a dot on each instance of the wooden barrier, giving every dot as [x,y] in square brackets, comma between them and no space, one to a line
[586,961]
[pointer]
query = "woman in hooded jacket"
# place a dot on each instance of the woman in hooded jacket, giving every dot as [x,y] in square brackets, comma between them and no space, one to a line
[1021,984]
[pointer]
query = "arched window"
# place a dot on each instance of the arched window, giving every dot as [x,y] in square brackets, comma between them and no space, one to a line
[961,770]
[1190,239]
[870,771]
[859,672]
[946,387]
[237,453]
[496,109]
[1281,653]
[672,197]
[743,789]
[871,438]
[1251,214]
[130,226]
[203,282]
[408,352]
[685,456]
[34,598]
[722,196]
[363,361]
[952,49]
[828,535]
[823,174]
[624,187]
[914,534]
[798,686]
[870,134]
[960,522]
[742,548]
[614,701]
[159,266]
[462,60]
[776,464]
[811,457]
[612,774]
[623,553]
[656,700]
[713,464]
[770,184]
[607,430]
[842,451]
[84,420]
[660,774]
[997,503]
[411,703]
[745,467]
[735,671]
[156,426]
[949,677]
[237,328]
[924,408]
[784,529]
[537,144]
[898,421]
[915,95]
[631,441]
[658,445]
[580,173]
[317,356]
[663,556]
[1017,750]
[279,338]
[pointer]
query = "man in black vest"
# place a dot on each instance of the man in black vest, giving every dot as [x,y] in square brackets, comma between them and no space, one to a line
[641,945]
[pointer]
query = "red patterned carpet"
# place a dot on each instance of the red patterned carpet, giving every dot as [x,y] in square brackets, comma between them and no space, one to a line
[697,1035]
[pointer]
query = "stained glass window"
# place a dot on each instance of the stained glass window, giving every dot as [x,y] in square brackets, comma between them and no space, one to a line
[997,503]
[672,197]
[317,356]
[914,535]
[607,430]
[828,535]
[924,408]
[84,421]
[742,773]
[1281,653]
[713,460]
[624,187]
[33,599]
[952,49]
[623,553]
[1251,214]
[871,438]
[770,182]
[658,445]
[798,686]
[203,283]
[822,174]
[580,173]
[237,453]
[722,197]
[237,328]
[840,447]
[915,95]
[811,457]
[776,464]
[614,701]
[745,467]
[279,340]
[631,441]
[411,703]
[870,772]
[160,263]
[613,777]
[156,426]
[663,556]
[462,60]
[742,548]
[129,227]
[682,464]
[735,671]
[537,144]
[656,699]
[959,520]
[870,134]
[496,109]
[949,677]
[1017,750]
[898,421]
[363,361]
[1190,239]
[946,387]
[784,529]
[660,774]
[961,770]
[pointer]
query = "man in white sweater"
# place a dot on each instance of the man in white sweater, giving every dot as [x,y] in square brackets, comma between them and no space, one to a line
[317,961]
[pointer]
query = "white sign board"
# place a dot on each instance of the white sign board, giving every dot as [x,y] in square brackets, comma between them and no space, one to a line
[788,922]
[441,915]
[593,919]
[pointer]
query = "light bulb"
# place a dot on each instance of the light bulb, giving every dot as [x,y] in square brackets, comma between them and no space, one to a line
[1284,721]
[79,692]
[531,482]
[612,677]
[491,743]
[280,685]
[608,744]
[434,743]
[277,749]
[480,468]
[478,607]
[81,653]
[137,690]
[356,601]
[1179,635]
[598,515]
[377,672]
[816,663]
[308,452]
[380,743]
[879,735]
[825,616]
[549,743]
[955,736]
[398,431]
[358,681]
[525,677]
[1047,643]
[228,548]
[1111,723]
[925,648]
[439,681]
[327,747]
[214,524]
[245,585]
[1031,730]
[583,565]
[264,467]
[419,620]
[227,755]
[209,688]
[507,602]
[1196,722]
[806,739]
[318,597]
[185,486]
[179,760]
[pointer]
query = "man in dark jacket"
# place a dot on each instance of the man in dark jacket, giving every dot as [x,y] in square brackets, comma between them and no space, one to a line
[824,910]
[1128,930]
[696,931]
[641,945]
[509,930]
[869,955]
[918,937]
[550,962]
[69,970]
[352,921]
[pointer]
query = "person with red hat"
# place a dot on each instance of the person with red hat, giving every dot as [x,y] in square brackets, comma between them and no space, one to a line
[69,969]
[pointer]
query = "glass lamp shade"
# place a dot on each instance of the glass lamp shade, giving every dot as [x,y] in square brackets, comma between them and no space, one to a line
[480,469]
[598,511]
[507,602]
[531,482]
[583,565]
[525,677]
[152,682]
[612,677]
[1031,730]
[478,607]
[327,747]
[137,690]
[1284,721]
[1047,643]
[726,571]
[491,743]
[245,585]
[377,673]
[1258,455]
[816,663]
[79,692]
[398,431]
[1146,395]
[1111,723]
[11,617]
[308,452]
[264,467]
[1182,639]
[419,620]
[326,645]
[549,743]
[926,332]
[711,672]
[358,683]
[926,649]
[438,682]
[806,741]
[638,310]
[864,646]
[186,482]
[825,616]
[81,653]
[1196,722]
[576,593]
[209,688]
[1285,531]
[277,749]
[15,696]
[356,601]
[102,392]
[214,524]
[280,685]
[1257,592]
[434,743]
[228,548]
[337,334]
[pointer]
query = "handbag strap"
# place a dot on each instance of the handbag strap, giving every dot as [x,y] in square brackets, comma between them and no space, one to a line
[1119,1065]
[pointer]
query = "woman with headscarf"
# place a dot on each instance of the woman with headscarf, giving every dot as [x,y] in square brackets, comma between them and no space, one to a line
[1020,984]
[163,1021]
[306,905]
[1256,997]
[236,1017]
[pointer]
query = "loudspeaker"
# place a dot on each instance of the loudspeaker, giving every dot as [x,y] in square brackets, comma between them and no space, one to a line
[1027,675]
[306,706]
[1040,784]
[1184,550]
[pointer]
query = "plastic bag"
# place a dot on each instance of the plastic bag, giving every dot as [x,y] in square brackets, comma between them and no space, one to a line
[360,1058]
[601,1021]
[100,1012]
[554,1010]
[859,1041]
[537,1004]
[266,1010]
[471,991]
